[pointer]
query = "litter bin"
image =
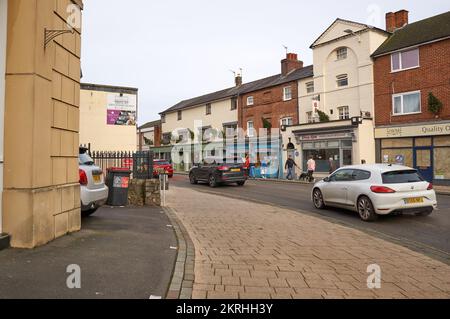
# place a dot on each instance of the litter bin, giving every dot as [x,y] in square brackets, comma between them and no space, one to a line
[117,180]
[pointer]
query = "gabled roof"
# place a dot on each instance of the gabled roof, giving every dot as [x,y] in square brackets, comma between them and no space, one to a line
[363,27]
[150,125]
[423,31]
[271,81]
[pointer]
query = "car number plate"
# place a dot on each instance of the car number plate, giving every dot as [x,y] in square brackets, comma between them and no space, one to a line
[236,170]
[415,200]
[97,179]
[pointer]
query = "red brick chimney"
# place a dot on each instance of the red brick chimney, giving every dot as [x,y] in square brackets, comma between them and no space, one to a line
[396,20]
[290,64]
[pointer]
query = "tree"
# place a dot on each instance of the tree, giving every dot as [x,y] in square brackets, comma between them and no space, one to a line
[434,104]
[148,141]
[266,123]
[323,117]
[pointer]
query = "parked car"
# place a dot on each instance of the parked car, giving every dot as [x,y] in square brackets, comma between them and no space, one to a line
[161,164]
[93,192]
[216,171]
[373,190]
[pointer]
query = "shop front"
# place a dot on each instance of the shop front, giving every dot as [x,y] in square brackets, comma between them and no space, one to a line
[333,148]
[424,147]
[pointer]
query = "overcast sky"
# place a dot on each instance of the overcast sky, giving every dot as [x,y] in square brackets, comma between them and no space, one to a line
[175,50]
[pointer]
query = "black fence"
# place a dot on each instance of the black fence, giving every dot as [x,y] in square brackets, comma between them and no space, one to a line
[139,163]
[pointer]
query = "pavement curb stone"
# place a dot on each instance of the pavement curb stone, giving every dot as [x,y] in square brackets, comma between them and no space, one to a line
[183,274]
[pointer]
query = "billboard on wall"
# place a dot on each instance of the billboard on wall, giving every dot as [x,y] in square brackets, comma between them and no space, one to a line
[121,109]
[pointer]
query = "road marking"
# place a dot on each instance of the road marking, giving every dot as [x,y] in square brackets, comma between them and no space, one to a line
[173,248]
[155,297]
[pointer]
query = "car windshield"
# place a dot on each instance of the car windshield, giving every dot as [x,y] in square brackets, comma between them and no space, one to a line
[161,163]
[85,159]
[400,177]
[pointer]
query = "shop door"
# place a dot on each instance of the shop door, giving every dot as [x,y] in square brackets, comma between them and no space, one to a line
[423,162]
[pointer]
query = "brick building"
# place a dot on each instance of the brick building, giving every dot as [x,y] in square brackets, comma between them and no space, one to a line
[412,64]
[274,99]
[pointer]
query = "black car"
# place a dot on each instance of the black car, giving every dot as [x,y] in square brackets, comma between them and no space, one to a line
[219,171]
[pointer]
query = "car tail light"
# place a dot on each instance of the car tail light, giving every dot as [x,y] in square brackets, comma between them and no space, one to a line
[430,187]
[83,177]
[223,168]
[381,189]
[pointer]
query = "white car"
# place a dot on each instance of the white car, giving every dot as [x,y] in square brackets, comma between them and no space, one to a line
[93,192]
[378,189]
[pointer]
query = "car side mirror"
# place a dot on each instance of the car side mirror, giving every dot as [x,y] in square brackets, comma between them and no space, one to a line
[326,179]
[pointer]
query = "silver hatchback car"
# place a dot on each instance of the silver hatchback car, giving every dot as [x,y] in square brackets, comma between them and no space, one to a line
[378,189]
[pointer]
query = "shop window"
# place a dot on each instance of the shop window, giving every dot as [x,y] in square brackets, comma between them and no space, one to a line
[442,141]
[397,142]
[442,163]
[347,143]
[389,156]
[426,141]
[333,144]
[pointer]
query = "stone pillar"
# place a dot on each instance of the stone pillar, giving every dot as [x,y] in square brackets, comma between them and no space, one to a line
[41,199]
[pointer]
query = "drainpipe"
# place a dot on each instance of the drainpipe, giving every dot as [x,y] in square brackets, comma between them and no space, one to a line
[3,33]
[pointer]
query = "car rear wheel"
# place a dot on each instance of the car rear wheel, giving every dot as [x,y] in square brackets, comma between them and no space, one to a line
[366,210]
[212,181]
[318,199]
[242,183]
[89,212]
[192,179]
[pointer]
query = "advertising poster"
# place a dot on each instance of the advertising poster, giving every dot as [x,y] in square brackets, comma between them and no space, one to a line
[121,109]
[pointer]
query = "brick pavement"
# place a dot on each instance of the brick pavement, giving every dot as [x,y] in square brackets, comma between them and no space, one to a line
[247,250]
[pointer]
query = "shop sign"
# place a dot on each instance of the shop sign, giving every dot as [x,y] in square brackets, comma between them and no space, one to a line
[324,136]
[121,109]
[410,131]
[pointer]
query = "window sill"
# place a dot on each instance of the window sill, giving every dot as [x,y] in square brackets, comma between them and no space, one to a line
[403,114]
[401,70]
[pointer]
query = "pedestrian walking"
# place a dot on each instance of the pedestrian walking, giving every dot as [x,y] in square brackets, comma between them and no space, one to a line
[311,168]
[290,166]
[332,165]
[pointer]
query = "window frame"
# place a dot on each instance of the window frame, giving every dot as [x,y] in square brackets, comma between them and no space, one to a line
[338,58]
[285,95]
[341,108]
[287,118]
[401,61]
[234,104]
[208,109]
[402,105]
[308,86]
[179,115]
[252,100]
[163,118]
[309,119]
[341,77]
[253,128]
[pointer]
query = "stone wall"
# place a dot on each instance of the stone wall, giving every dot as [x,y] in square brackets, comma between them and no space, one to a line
[144,192]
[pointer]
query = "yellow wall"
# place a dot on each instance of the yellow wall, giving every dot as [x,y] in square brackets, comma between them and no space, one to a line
[220,113]
[93,127]
[41,198]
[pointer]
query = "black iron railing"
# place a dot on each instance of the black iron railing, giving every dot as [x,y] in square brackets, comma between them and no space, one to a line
[139,163]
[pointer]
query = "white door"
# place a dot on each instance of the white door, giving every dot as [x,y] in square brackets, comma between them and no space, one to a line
[3,25]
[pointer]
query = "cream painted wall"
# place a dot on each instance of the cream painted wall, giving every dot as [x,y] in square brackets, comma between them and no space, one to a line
[3,26]
[93,127]
[195,118]
[358,95]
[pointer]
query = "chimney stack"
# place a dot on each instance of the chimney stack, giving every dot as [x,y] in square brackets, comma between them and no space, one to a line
[396,20]
[238,80]
[290,64]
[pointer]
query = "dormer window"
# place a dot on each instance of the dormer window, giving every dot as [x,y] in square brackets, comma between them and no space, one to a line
[342,80]
[341,53]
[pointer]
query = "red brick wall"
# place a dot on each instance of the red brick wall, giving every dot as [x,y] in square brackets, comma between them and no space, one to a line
[433,75]
[268,103]
[158,136]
